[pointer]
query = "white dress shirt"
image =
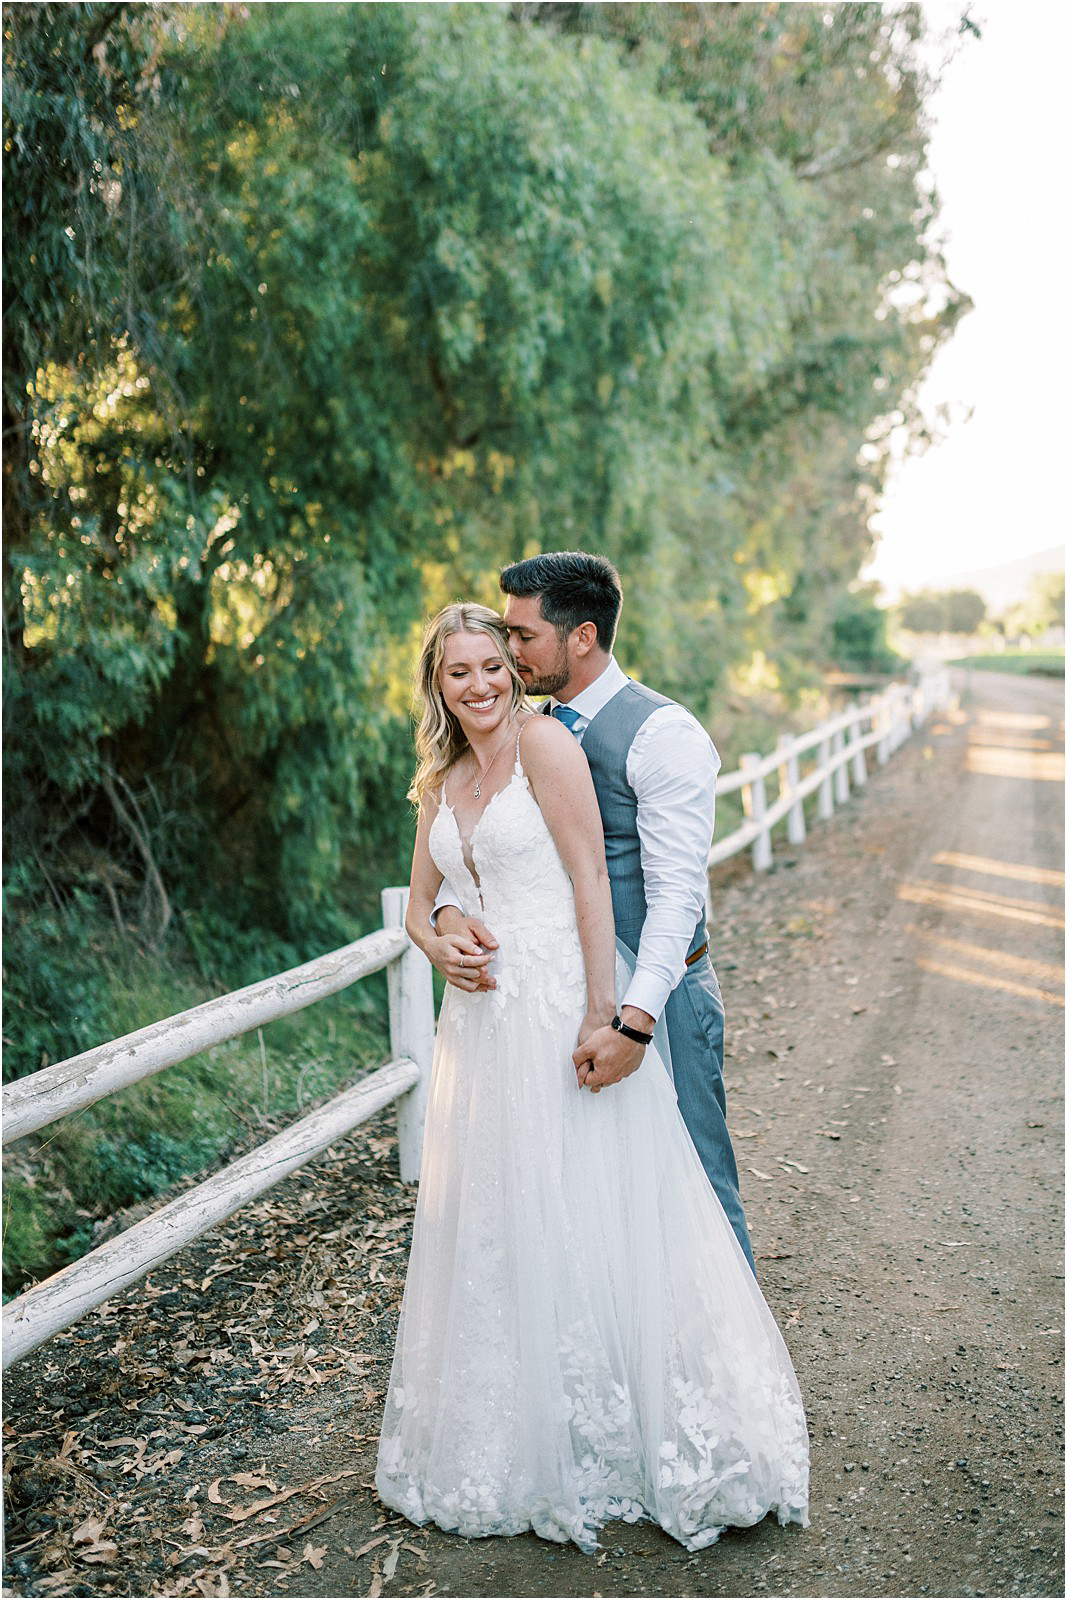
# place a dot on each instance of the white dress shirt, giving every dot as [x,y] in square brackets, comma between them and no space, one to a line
[671,768]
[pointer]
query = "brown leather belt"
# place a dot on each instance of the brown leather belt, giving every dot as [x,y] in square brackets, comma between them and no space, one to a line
[689,960]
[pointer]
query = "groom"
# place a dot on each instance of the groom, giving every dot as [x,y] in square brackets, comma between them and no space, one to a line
[654,771]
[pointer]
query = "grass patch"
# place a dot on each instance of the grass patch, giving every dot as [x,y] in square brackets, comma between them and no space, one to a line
[136,1144]
[1042,663]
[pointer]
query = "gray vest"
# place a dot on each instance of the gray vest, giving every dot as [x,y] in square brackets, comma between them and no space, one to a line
[606,744]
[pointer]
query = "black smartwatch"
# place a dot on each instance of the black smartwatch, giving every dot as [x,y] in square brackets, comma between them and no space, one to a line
[630,1033]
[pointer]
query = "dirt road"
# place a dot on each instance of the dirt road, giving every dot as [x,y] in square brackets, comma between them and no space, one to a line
[894,995]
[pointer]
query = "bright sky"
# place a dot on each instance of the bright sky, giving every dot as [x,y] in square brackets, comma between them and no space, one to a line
[993,490]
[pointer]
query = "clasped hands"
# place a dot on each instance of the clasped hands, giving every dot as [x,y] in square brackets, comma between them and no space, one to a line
[462,952]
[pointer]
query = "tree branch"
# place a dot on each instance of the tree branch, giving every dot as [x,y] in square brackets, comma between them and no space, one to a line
[139,834]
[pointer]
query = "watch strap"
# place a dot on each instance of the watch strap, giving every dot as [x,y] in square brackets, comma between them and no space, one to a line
[630,1033]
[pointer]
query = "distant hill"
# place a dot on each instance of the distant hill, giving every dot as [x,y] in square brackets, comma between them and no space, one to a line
[1007,583]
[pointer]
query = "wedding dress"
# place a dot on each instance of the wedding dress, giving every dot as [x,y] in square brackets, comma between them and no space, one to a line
[581,1337]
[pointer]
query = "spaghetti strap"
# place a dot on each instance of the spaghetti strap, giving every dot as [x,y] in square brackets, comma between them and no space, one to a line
[518,772]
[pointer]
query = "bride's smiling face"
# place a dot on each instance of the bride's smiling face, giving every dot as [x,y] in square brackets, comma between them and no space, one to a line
[475,683]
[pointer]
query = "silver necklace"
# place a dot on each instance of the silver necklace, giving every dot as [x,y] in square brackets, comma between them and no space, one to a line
[488,770]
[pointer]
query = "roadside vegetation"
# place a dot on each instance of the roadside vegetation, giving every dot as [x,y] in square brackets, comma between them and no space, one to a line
[1032,626]
[1040,663]
[61,1184]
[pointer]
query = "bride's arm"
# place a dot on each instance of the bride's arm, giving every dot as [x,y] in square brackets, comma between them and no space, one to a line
[563,788]
[425,882]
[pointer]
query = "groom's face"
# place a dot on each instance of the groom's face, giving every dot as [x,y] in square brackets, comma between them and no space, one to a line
[539,652]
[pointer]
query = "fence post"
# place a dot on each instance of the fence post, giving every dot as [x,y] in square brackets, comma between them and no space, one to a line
[859,760]
[754,800]
[918,708]
[411,1034]
[826,787]
[885,704]
[908,714]
[841,790]
[788,783]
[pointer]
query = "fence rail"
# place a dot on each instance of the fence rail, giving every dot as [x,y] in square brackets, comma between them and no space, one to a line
[44,1096]
[35,1101]
[68,1295]
[840,745]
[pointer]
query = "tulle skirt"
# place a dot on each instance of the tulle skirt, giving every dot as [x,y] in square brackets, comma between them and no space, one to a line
[581,1337]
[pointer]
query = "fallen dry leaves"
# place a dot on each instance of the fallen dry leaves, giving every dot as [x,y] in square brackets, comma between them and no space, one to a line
[147,1450]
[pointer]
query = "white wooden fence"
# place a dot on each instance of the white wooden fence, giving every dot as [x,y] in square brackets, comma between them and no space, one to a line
[831,751]
[42,1097]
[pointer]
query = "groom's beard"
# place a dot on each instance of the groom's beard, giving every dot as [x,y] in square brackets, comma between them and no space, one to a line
[551,683]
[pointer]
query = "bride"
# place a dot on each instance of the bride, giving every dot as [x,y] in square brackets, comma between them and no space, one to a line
[581,1336]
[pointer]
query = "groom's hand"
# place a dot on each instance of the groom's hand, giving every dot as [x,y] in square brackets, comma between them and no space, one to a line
[463,951]
[607,1057]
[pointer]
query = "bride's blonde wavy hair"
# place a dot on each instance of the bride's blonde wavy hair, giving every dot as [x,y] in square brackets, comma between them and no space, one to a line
[439,739]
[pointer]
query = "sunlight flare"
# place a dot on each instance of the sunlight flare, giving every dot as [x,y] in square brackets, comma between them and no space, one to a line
[997,869]
[1012,719]
[999,762]
[1028,966]
[979,903]
[984,980]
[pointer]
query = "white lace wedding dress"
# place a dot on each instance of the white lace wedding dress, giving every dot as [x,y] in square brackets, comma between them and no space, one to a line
[581,1337]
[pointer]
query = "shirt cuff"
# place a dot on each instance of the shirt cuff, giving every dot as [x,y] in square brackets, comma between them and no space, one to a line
[446,896]
[648,993]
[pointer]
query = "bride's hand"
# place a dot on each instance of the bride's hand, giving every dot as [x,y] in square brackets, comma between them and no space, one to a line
[462,958]
[591,1022]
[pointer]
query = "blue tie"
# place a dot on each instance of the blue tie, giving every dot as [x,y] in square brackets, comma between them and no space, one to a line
[570,719]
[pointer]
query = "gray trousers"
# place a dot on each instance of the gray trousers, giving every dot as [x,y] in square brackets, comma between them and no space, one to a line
[695,1029]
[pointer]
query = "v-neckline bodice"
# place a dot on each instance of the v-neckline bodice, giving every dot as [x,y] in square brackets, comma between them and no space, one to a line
[466,844]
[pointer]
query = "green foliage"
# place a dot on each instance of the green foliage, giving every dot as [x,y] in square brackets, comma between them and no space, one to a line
[964,611]
[53,1003]
[121,1174]
[27,1224]
[1046,599]
[859,633]
[1039,663]
[948,611]
[837,296]
[1041,610]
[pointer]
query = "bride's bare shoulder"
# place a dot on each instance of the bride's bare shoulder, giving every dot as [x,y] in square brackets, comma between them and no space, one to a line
[543,739]
[431,802]
[538,729]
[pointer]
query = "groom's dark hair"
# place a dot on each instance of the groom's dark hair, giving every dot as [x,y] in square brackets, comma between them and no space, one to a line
[573,588]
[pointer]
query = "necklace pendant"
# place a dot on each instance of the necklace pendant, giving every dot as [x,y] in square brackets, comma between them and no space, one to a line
[477,790]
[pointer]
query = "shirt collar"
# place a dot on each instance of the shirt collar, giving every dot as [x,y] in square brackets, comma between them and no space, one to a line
[596,696]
